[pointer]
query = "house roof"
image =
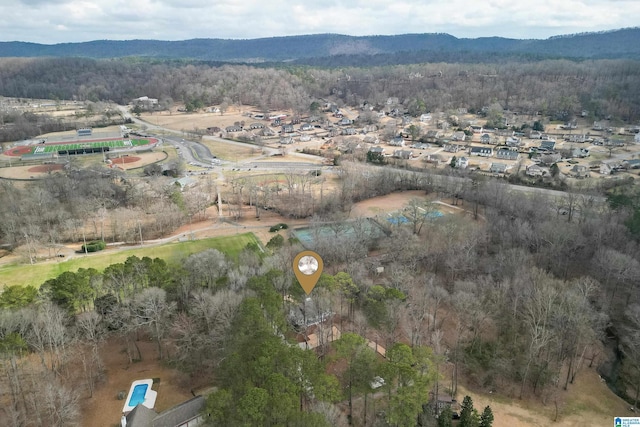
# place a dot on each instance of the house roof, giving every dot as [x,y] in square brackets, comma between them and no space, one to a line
[480,150]
[141,416]
[498,167]
[181,413]
[507,154]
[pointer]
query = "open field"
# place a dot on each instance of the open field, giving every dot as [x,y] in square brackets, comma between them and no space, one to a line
[587,403]
[35,275]
[231,152]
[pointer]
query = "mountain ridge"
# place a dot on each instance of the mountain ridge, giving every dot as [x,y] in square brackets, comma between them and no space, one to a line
[622,43]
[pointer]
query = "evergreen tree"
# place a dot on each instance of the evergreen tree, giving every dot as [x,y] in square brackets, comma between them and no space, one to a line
[444,420]
[466,413]
[486,419]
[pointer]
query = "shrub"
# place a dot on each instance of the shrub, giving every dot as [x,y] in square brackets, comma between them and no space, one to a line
[94,246]
[276,242]
[278,227]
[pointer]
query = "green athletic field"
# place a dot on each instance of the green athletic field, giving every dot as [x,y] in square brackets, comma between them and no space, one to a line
[114,143]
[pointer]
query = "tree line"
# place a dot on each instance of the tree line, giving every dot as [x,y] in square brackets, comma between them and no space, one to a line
[554,87]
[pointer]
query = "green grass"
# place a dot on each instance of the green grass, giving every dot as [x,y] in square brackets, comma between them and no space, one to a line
[36,275]
[116,143]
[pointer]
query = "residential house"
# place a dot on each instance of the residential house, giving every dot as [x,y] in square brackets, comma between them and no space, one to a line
[597,126]
[512,141]
[371,139]
[442,402]
[499,168]
[534,134]
[286,140]
[506,154]
[485,138]
[377,149]
[345,122]
[633,163]
[287,128]
[398,141]
[420,145]
[477,129]
[231,129]
[433,135]
[185,414]
[452,148]
[547,146]
[580,152]
[349,131]
[268,132]
[306,127]
[614,142]
[579,171]
[369,128]
[305,138]
[213,130]
[256,125]
[608,167]
[434,158]
[462,163]
[535,170]
[146,102]
[459,136]
[184,182]
[403,154]
[425,117]
[578,138]
[481,151]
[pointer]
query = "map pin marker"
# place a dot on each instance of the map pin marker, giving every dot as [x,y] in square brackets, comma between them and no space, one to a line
[307,266]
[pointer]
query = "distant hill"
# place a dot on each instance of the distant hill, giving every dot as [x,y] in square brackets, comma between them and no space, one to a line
[623,43]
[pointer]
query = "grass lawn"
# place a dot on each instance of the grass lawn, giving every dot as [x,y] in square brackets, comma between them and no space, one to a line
[37,274]
[231,152]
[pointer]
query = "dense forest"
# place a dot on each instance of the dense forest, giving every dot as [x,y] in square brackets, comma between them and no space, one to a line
[609,44]
[557,88]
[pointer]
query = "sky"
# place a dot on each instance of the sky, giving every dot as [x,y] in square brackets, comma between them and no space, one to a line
[62,21]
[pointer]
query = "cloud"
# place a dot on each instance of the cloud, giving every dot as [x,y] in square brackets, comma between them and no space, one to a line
[54,21]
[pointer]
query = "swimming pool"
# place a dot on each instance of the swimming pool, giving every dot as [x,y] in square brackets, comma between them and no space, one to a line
[140,393]
[137,396]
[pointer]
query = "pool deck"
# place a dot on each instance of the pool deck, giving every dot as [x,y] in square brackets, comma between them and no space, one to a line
[149,397]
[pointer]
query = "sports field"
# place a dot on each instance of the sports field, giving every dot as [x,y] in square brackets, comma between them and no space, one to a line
[37,274]
[115,143]
[79,147]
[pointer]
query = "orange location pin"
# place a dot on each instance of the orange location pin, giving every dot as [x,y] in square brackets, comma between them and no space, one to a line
[307,266]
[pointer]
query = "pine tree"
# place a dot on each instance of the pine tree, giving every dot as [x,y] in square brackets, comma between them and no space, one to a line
[444,420]
[486,419]
[466,413]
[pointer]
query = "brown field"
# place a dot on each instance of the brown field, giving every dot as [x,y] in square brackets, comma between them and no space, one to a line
[190,121]
[41,171]
[46,168]
[587,403]
[230,151]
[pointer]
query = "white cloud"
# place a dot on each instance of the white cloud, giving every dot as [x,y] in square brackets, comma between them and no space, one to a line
[54,21]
